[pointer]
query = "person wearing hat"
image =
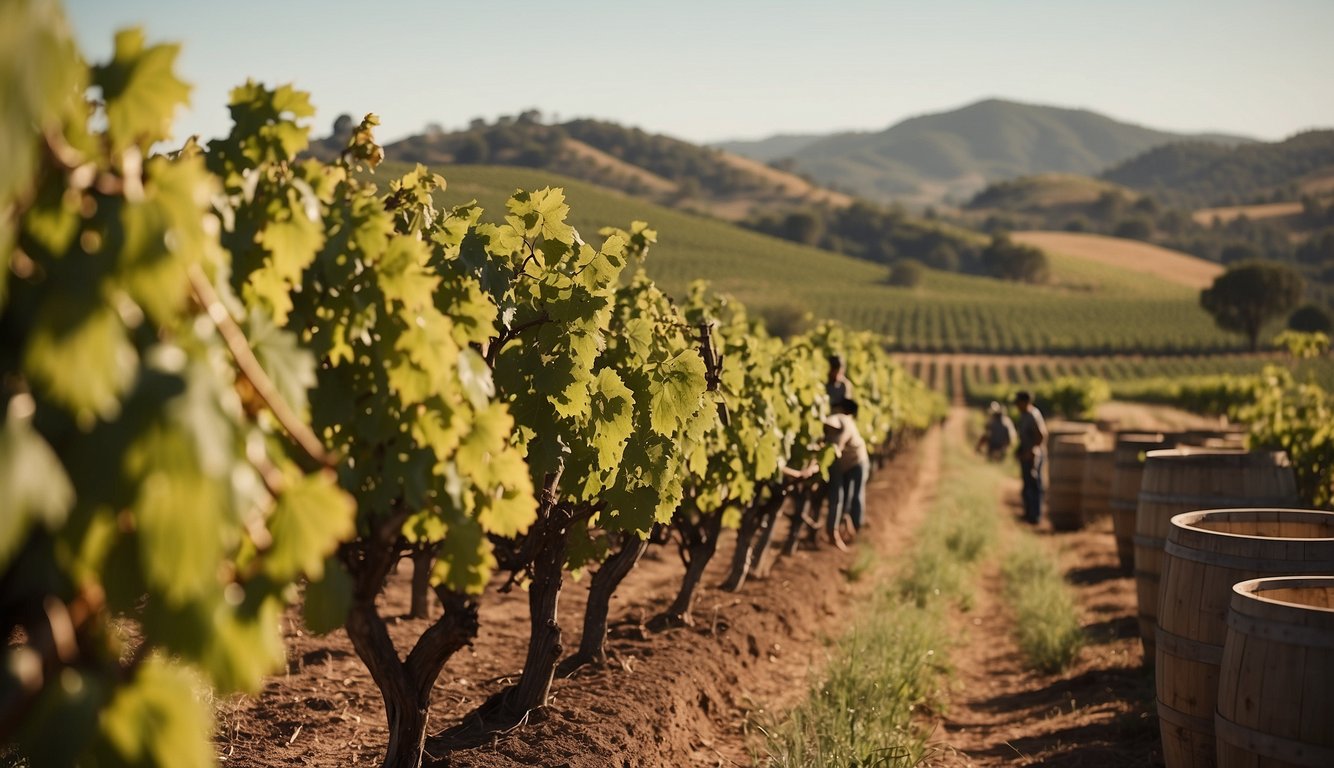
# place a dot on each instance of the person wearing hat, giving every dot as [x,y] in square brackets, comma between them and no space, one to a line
[847,476]
[998,435]
[1032,431]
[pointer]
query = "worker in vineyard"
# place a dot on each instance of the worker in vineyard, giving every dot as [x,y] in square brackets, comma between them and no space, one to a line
[1032,431]
[847,476]
[998,435]
[837,385]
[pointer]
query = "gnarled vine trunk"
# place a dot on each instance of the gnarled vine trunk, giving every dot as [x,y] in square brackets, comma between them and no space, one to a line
[699,543]
[755,520]
[805,517]
[405,684]
[421,584]
[593,643]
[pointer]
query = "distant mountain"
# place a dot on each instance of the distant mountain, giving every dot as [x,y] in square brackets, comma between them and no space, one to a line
[773,148]
[955,154]
[1195,174]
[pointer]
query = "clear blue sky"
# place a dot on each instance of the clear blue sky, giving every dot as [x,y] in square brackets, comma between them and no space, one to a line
[713,69]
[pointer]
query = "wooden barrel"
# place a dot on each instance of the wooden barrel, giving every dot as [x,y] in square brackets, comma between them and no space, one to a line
[1276,687]
[1231,437]
[1127,471]
[1206,553]
[1065,491]
[1096,492]
[1180,480]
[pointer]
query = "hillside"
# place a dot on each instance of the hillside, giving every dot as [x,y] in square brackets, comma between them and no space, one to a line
[1093,306]
[955,153]
[1133,255]
[658,168]
[1197,175]
[1047,192]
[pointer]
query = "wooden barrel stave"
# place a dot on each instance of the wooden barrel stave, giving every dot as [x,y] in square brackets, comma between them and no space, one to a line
[1207,552]
[1276,687]
[1187,479]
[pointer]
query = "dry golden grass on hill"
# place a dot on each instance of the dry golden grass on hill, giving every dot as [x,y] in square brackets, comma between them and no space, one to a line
[1206,216]
[791,184]
[1133,255]
[615,165]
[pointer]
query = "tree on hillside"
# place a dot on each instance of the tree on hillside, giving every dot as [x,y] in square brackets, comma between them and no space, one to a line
[1249,294]
[1311,318]
[1009,260]
[906,273]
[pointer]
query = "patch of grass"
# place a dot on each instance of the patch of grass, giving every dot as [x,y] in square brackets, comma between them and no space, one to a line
[960,525]
[863,563]
[890,665]
[861,713]
[1047,624]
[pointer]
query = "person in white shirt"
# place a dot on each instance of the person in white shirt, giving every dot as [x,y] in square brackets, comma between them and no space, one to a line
[847,476]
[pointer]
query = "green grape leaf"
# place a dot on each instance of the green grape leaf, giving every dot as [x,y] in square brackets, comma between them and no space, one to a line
[156,720]
[33,485]
[402,276]
[44,83]
[613,408]
[328,600]
[472,311]
[141,91]
[79,356]
[677,397]
[475,376]
[178,514]
[309,519]
[290,367]
[511,508]
[638,336]
[465,560]
[543,213]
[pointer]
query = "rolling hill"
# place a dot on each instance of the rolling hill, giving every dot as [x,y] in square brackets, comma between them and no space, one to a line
[955,153]
[1196,174]
[1092,307]
[658,168]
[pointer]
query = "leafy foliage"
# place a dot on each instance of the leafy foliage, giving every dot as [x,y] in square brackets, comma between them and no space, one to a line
[153,519]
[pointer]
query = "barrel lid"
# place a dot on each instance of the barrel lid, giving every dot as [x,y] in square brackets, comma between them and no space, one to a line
[1228,456]
[1255,589]
[1191,521]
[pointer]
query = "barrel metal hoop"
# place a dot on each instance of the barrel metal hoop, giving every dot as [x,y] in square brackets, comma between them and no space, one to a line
[1268,745]
[1188,649]
[1184,720]
[1209,502]
[1280,632]
[1241,563]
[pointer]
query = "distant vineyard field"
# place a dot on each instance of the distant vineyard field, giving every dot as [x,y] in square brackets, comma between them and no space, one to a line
[985,378]
[1089,308]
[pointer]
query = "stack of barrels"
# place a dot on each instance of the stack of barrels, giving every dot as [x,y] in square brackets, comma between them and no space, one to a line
[1070,443]
[1127,471]
[1236,599]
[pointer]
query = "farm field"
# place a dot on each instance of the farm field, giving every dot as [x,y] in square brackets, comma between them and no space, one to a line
[1143,258]
[1207,216]
[1092,307]
[982,377]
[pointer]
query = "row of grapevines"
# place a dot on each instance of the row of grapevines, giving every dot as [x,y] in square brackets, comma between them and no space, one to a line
[232,370]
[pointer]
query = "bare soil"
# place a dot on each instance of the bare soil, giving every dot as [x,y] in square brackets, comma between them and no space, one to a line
[693,696]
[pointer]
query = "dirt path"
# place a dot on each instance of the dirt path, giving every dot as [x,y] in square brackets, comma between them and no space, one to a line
[1098,713]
